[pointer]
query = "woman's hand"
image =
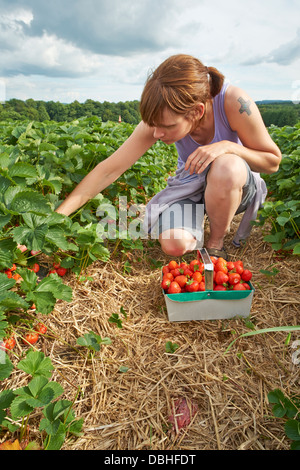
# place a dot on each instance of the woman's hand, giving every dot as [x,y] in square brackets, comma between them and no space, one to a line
[206,154]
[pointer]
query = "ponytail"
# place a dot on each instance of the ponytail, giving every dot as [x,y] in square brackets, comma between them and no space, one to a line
[216,81]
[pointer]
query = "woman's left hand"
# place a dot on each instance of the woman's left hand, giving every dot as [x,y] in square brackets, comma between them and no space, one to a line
[205,155]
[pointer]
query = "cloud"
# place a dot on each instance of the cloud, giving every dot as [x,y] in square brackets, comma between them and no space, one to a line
[105,48]
[102,26]
[72,38]
[285,54]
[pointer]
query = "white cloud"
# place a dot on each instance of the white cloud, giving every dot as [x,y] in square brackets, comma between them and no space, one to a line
[103,49]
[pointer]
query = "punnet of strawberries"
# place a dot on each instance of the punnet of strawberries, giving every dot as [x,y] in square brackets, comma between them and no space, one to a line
[190,277]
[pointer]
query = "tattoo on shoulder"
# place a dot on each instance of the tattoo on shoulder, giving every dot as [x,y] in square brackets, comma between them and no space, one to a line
[245,106]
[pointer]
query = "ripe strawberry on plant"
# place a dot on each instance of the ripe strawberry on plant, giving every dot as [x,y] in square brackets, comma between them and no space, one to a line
[41,328]
[36,268]
[8,344]
[31,338]
[61,271]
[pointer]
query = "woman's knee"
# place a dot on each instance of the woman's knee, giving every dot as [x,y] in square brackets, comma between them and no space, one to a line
[177,242]
[228,172]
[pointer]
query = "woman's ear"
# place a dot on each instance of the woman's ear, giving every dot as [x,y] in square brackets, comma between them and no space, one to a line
[197,113]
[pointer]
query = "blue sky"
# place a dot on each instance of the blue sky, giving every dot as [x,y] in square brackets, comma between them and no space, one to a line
[66,50]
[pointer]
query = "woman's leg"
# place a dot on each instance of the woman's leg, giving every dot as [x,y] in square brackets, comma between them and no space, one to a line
[223,195]
[177,241]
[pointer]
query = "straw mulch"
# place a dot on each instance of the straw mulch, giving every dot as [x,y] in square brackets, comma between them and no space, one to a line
[130,410]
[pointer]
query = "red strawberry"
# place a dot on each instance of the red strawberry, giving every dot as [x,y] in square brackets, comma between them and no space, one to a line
[61,271]
[31,338]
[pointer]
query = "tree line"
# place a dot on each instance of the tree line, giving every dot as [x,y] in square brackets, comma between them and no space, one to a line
[15,109]
[279,113]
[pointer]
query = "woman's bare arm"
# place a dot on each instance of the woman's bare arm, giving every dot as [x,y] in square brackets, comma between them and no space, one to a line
[259,150]
[109,170]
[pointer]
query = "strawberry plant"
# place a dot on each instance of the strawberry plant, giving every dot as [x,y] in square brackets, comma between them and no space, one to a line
[288,409]
[19,407]
[92,341]
[282,208]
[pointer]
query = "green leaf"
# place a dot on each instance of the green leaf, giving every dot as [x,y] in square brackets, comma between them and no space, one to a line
[114,318]
[6,253]
[171,347]
[4,185]
[48,393]
[5,282]
[55,285]
[296,249]
[44,301]
[292,429]
[37,384]
[6,398]
[3,325]
[22,169]
[57,237]
[20,408]
[29,281]
[10,300]
[36,364]
[55,441]
[265,330]
[28,201]
[4,220]
[6,365]
[33,238]
[92,341]
[55,410]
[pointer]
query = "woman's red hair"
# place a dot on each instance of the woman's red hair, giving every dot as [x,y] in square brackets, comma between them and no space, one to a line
[179,83]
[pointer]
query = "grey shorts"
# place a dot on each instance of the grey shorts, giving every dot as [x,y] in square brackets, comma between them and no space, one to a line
[189,215]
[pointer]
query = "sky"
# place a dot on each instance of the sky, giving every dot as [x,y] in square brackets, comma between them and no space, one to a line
[67,50]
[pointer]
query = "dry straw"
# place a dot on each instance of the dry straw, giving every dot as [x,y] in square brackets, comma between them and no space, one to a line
[130,410]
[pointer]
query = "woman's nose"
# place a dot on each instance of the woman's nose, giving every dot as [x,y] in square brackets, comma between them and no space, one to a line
[158,133]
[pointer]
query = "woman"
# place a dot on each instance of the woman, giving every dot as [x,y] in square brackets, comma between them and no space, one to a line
[220,138]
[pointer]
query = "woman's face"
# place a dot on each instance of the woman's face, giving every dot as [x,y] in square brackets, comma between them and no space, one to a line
[172,127]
